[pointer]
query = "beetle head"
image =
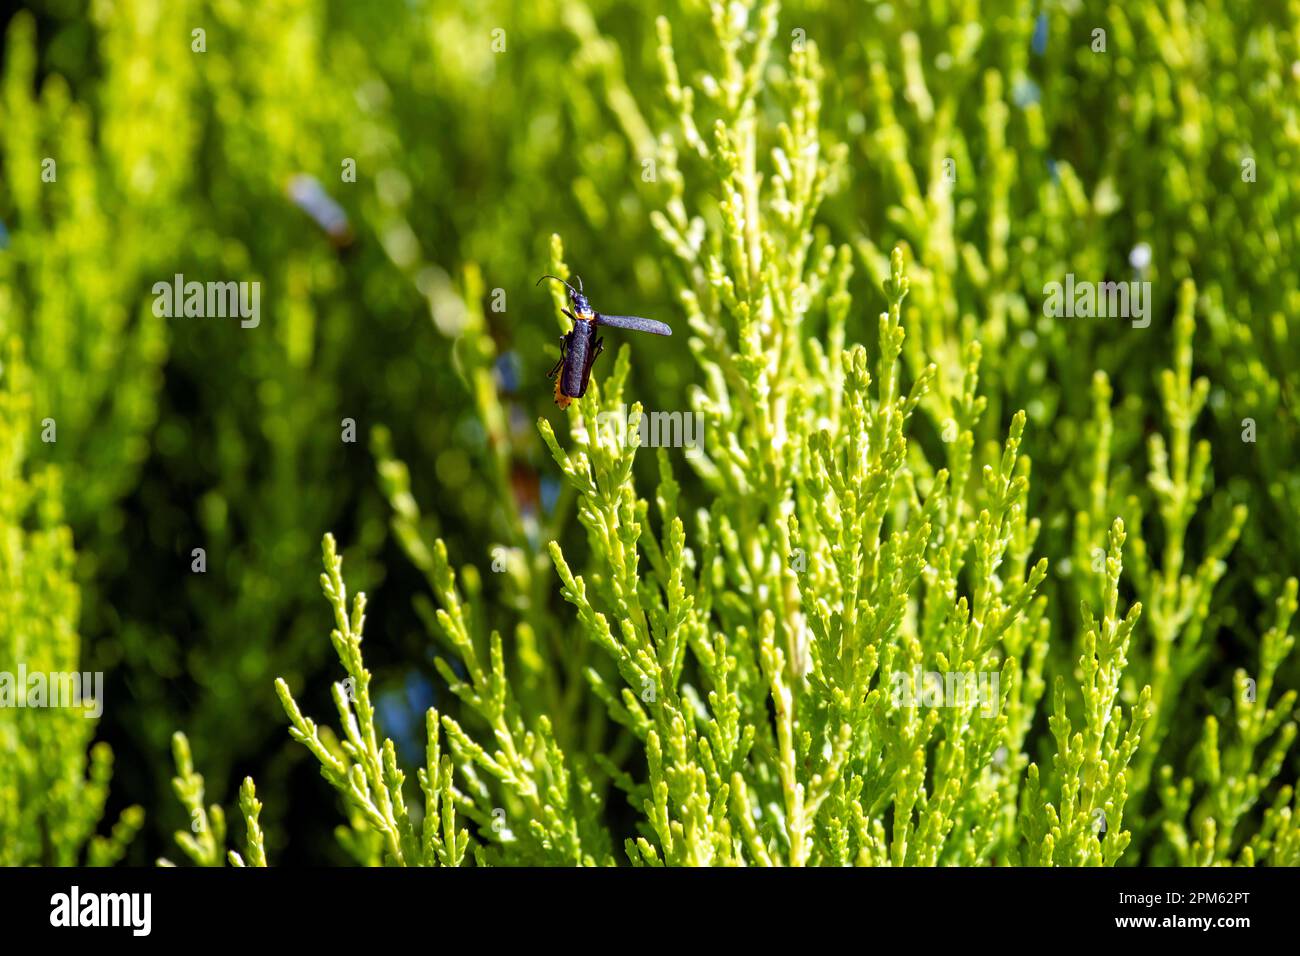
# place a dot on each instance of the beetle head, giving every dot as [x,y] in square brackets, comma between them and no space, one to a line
[581,308]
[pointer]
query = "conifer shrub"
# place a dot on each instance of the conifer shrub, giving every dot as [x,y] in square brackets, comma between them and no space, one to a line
[938,564]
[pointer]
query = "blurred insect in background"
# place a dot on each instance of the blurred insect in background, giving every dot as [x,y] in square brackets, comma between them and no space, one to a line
[310,196]
[580,347]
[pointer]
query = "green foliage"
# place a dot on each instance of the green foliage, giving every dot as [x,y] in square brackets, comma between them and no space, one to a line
[365,772]
[771,739]
[68,281]
[717,658]
[205,841]
[52,792]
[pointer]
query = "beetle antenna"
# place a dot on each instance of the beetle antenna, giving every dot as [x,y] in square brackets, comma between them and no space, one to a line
[579,278]
[558,279]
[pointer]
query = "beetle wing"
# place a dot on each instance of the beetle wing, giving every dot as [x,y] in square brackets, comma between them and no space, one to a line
[634,322]
[595,351]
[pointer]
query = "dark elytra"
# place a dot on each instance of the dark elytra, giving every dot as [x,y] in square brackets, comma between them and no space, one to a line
[577,366]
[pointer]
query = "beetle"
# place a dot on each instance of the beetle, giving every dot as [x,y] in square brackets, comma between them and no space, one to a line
[580,347]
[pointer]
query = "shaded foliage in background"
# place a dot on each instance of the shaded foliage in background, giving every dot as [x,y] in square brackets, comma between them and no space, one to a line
[595,124]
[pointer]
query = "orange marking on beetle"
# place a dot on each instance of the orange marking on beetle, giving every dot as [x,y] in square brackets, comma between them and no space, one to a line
[560,398]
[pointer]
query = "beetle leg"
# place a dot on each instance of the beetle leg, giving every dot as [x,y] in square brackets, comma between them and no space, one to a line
[600,347]
[564,351]
[570,315]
